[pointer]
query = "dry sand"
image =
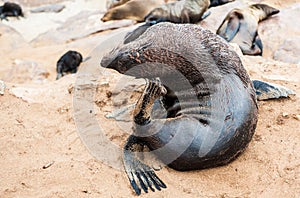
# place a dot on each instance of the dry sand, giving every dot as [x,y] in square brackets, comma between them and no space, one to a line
[41,152]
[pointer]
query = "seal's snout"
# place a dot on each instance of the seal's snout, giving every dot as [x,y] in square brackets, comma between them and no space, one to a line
[114,61]
[106,62]
[104,18]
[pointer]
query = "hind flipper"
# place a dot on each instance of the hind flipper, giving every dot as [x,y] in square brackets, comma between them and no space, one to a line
[266,90]
[140,175]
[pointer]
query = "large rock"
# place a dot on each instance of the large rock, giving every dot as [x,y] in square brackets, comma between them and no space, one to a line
[10,39]
[48,8]
[280,35]
[80,26]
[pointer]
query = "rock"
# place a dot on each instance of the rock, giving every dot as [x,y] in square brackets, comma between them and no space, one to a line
[10,39]
[53,93]
[273,91]
[122,114]
[280,34]
[80,26]
[27,71]
[285,114]
[48,8]
[297,117]
[289,51]
[33,3]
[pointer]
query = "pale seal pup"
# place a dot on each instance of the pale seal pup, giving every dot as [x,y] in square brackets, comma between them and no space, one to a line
[240,26]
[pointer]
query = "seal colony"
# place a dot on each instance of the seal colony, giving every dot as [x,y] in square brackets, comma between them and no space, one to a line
[240,26]
[209,99]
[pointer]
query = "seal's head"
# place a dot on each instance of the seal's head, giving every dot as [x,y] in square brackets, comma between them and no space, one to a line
[111,14]
[263,11]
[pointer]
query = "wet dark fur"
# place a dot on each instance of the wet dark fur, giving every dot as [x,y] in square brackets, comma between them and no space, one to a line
[10,10]
[68,63]
[214,3]
[208,92]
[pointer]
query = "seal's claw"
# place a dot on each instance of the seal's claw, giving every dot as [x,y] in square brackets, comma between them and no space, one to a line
[134,184]
[140,175]
[155,88]
[149,182]
[144,179]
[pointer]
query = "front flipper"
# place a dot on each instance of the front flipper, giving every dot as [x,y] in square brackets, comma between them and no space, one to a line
[256,49]
[153,90]
[257,45]
[266,91]
[230,26]
[140,175]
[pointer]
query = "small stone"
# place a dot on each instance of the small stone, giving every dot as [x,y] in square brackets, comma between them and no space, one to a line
[297,117]
[284,114]
[2,87]
[70,88]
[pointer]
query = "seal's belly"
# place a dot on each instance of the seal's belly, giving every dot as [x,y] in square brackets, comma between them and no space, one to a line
[227,120]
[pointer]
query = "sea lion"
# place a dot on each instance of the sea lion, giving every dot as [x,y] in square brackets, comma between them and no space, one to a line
[185,11]
[240,26]
[10,10]
[133,9]
[68,63]
[201,84]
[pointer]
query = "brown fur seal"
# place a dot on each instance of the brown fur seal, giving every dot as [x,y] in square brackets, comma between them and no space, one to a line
[68,63]
[133,9]
[10,10]
[240,26]
[199,81]
[185,11]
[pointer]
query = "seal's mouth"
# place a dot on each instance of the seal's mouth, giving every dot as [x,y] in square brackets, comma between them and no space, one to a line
[113,63]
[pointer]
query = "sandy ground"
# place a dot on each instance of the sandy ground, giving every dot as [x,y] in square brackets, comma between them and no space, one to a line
[42,154]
